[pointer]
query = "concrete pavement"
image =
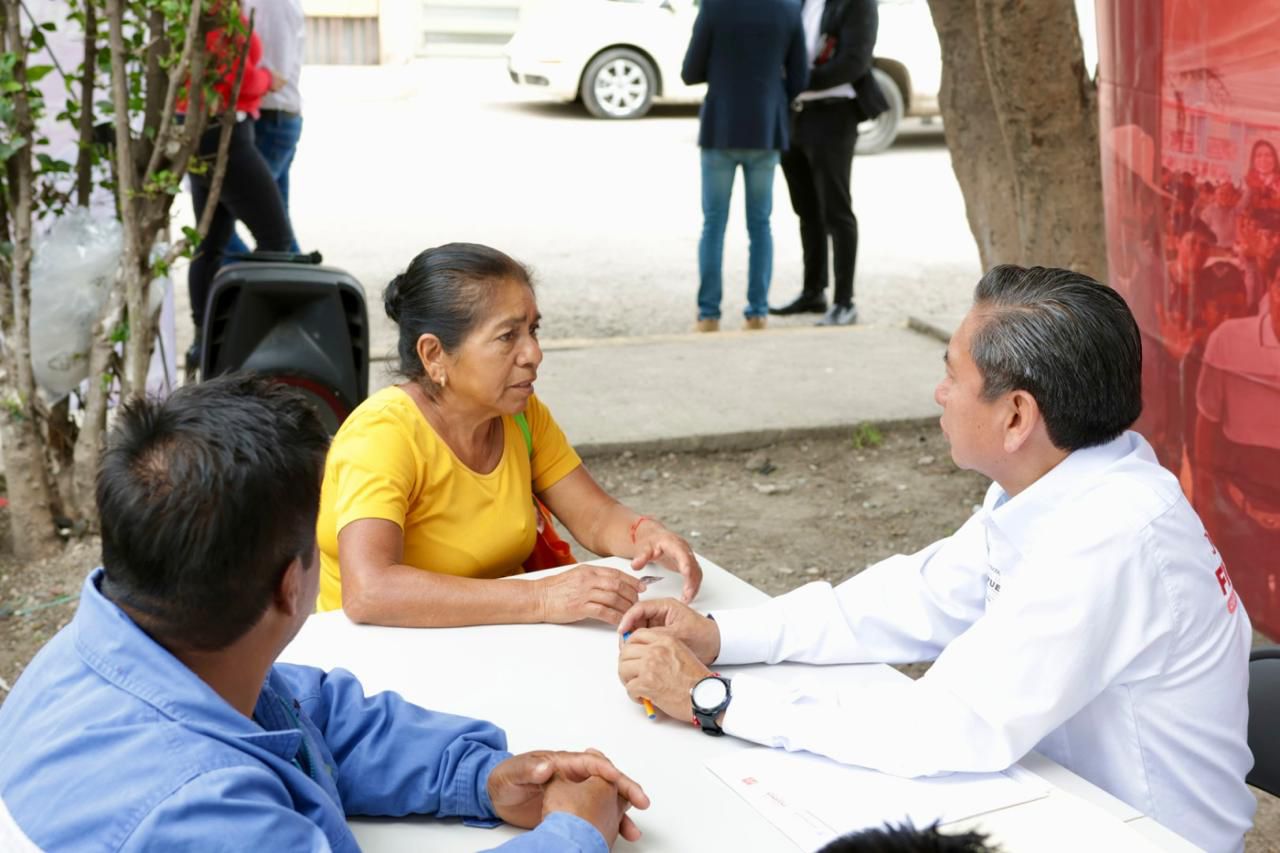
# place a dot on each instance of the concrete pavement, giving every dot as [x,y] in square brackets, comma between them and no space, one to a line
[732,389]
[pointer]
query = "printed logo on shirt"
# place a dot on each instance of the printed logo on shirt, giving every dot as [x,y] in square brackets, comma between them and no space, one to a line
[1224,581]
[993,584]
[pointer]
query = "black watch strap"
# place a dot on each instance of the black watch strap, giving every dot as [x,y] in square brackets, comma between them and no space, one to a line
[705,718]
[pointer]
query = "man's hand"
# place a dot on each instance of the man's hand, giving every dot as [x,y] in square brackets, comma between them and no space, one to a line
[595,801]
[660,668]
[277,82]
[519,788]
[657,544]
[668,616]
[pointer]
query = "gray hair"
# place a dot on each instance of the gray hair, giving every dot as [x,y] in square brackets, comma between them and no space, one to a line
[1067,340]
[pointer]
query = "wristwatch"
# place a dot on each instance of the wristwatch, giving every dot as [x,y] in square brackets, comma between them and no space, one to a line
[710,696]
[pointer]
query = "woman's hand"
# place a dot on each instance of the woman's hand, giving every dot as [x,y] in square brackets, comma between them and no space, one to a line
[657,544]
[587,592]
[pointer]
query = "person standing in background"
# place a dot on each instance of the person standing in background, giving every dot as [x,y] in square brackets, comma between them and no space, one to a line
[281,25]
[737,49]
[841,35]
[248,191]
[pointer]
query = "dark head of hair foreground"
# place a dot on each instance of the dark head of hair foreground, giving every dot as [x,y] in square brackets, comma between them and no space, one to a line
[446,292]
[908,839]
[1067,340]
[205,499]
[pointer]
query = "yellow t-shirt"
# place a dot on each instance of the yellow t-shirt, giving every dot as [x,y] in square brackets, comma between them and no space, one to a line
[388,462]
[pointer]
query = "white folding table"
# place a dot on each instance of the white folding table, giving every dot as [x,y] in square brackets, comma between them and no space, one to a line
[556,687]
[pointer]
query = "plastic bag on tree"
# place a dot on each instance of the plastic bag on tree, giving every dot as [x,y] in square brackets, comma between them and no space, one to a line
[72,271]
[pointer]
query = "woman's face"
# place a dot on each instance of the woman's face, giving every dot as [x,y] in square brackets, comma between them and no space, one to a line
[1264,159]
[496,364]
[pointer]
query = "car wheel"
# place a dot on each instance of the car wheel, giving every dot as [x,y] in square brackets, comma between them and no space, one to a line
[619,83]
[878,134]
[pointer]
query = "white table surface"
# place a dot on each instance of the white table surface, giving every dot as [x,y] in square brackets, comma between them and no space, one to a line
[556,687]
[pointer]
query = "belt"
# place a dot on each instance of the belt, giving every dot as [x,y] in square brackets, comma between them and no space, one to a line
[800,106]
[277,114]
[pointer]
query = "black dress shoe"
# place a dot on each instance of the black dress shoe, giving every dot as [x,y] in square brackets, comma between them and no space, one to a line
[803,304]
[193,356]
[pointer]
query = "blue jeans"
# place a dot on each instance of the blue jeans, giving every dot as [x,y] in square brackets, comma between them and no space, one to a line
[718,168]
[276,134]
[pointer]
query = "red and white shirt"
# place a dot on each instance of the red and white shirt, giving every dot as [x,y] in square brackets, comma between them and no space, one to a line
[1088,618]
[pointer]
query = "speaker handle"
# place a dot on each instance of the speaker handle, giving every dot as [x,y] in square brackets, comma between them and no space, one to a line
[308,258]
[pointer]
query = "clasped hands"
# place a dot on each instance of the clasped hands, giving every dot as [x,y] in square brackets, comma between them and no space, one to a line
[526,788]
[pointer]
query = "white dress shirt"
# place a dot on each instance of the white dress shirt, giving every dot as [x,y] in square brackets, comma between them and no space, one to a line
[1088,618]
[1239,386]
[281,25]
[811,17]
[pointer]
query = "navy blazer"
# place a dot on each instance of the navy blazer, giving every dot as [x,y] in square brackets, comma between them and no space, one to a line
[751,54]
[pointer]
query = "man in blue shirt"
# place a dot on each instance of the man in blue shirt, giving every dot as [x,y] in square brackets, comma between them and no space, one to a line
[158,718]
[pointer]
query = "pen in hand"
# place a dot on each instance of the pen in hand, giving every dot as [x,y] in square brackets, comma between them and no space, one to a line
[648,706]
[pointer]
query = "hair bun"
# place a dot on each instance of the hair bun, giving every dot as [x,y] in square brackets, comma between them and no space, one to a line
[391,299]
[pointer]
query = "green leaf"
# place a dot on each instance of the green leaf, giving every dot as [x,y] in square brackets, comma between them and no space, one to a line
[120,333]
[13,146]
[192,235]
[36,73]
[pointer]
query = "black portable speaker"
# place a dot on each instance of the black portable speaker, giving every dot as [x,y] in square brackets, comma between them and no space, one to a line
[298,323]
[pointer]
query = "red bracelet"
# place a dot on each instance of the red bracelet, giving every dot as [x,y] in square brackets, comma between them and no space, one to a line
[635,525]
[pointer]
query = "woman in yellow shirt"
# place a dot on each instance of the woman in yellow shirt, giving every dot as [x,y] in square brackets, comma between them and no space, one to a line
[428,488]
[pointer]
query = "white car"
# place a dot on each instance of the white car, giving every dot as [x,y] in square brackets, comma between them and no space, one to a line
[619,57]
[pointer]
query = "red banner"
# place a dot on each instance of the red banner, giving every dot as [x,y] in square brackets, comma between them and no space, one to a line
[1189,126]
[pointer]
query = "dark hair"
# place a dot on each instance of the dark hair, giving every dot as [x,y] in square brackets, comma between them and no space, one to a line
[204,499]
[1217,281]
[1067,340]
[907,839]
[1265,218]
[1253,153]
[1200,227]
[445,292]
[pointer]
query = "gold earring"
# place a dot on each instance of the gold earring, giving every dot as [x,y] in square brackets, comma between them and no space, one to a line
[444,379]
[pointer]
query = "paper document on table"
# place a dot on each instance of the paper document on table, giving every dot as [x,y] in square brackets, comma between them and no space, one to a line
[813,800]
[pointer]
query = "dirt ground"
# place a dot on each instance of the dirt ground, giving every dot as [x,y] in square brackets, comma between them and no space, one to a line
[820,509]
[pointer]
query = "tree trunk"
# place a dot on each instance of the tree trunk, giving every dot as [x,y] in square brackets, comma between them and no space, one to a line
[1021,122]
[93,431]
[31,515]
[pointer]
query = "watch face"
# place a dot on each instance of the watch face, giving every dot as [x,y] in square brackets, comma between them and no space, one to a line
[709,693]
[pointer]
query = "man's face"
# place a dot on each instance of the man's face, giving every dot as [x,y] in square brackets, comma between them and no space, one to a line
[1225,306]
[974,426]
[1193,249]
[1268,244]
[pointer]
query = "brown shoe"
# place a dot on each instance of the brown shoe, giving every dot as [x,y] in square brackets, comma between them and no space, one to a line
[754,324]
[710,325]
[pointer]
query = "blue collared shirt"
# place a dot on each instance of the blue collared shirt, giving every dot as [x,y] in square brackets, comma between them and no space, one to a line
[108,742]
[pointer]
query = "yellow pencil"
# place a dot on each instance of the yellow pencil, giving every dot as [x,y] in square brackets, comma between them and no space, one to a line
[648,706]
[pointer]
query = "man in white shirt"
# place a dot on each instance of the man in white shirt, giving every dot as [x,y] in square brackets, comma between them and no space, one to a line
[281,26]
[1236,468]
[1082,612]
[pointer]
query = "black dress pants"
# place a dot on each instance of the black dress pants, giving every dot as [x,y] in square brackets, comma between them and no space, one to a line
[249,194]
[819,168]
